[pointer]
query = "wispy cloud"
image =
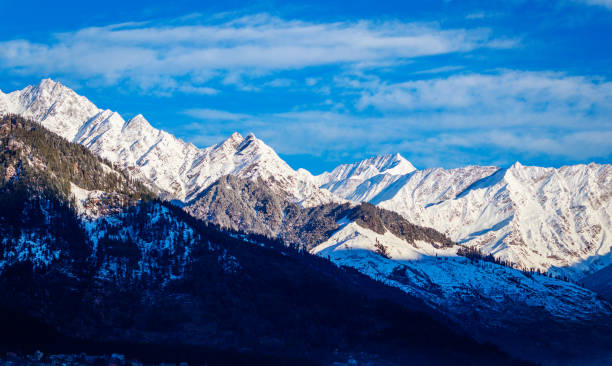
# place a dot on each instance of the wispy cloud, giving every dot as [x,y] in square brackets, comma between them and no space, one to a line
[604,3]
[446,121]
[145,52]
[203,90]
[508,94]
[215,115]
[438,70]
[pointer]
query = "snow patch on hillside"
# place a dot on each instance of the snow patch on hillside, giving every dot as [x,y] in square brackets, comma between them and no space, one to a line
[455,283]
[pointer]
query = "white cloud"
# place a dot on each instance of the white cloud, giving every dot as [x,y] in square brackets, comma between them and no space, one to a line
[215,115]
[203,90]
[438,70]
[604,3]
[141,52]
[311,81]
[505,98]
[279,83]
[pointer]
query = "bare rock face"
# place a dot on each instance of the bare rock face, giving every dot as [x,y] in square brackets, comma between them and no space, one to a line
[243,205]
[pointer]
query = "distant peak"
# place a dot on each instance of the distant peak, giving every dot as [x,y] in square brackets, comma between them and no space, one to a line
[253,143]
[406,165]
[48,84]
[517,165]
[390,163]
[51,87]
[391,157]
[47,81]
[231,142]
[138,122]
[139,118]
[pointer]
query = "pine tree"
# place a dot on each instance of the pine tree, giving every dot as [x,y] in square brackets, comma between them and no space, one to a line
[382,250]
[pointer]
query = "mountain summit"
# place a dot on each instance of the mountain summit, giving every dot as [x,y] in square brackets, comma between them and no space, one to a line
[178,169]
[393,164]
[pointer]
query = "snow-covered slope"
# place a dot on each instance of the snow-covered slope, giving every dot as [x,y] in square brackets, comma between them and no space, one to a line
[541,218]
[456,283]
[525,313]
[178,168]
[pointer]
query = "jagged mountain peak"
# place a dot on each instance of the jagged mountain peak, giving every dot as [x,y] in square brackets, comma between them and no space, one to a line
[49,90]
[49,84]
[140,125]
[358,180]
[52,104]
[231,142]
[517,165]
[179,169]
[247,150]
[255,145]
[393,164]
[138,119]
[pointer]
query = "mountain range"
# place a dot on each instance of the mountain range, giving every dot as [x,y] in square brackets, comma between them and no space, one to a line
[547,219]
[494,249]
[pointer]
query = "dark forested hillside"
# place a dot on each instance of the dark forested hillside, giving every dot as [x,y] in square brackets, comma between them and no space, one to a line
[147,274]
[36,163]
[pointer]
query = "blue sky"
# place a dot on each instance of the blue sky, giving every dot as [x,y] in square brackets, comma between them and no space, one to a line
[445,83]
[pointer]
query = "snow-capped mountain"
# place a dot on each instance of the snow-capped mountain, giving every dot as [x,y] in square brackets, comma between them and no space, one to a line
[178,168]
[540,218]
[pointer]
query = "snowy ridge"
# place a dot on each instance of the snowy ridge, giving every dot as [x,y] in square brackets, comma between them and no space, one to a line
[455,283]
[178,168]
[537,218]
